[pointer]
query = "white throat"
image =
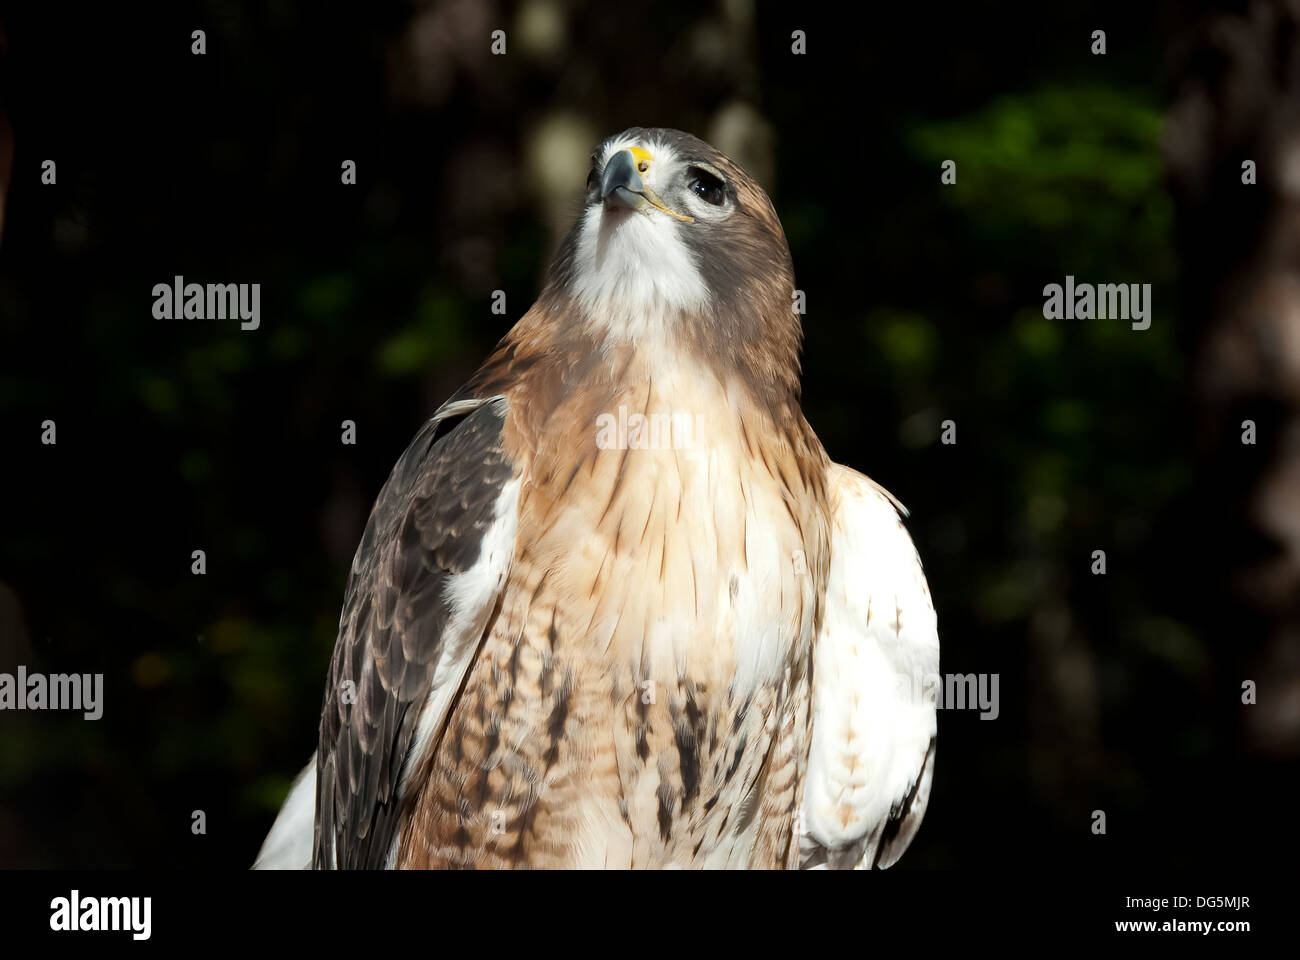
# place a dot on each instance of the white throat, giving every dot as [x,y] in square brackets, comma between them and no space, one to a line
[634,274]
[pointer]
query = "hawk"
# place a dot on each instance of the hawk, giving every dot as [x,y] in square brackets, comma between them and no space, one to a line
[614,606]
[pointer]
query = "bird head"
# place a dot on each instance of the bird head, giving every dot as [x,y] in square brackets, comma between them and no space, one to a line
[673,236]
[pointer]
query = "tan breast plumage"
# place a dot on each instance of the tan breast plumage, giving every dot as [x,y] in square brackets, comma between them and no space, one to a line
[641,696]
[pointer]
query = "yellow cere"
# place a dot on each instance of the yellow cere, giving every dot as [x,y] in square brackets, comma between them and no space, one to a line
[642,158]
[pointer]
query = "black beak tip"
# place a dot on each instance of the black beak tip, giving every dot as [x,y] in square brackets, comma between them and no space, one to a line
[621,198]
[619,181]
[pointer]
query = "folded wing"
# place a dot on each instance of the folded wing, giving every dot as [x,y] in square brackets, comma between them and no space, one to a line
[875,670]
[432,561]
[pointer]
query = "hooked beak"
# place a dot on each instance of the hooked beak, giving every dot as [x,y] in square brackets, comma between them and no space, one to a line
[620,184]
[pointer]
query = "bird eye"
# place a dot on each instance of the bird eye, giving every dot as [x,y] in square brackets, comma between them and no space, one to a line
[706,186]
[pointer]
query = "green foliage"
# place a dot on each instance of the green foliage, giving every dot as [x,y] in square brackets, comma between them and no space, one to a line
[1071,170]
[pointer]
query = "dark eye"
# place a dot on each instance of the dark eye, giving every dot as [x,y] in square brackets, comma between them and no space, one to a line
[706,186]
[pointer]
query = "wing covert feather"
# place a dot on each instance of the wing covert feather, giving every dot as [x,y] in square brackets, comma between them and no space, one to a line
[428,527]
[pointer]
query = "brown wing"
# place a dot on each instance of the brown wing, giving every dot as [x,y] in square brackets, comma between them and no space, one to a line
[422,587]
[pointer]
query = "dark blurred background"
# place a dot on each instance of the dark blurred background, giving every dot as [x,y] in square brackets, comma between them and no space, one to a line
[1119,692]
